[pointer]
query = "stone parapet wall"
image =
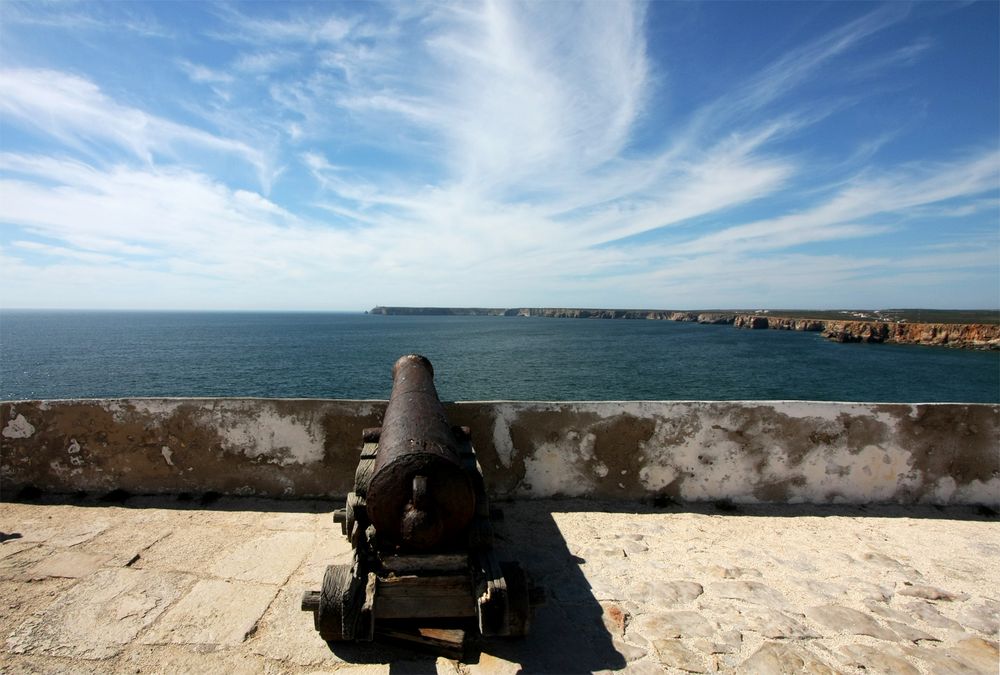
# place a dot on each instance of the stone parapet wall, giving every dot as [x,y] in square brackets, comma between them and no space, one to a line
[751,451]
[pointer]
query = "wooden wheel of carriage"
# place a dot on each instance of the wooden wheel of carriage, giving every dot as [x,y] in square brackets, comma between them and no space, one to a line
[335,601]
[518,601]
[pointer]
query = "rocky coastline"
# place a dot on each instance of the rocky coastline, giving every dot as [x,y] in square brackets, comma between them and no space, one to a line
[958,335]
[955,335]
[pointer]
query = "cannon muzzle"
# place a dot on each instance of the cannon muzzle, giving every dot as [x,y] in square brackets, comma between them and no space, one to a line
[420,497]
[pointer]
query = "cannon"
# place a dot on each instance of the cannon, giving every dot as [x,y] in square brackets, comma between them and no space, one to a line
[423,569]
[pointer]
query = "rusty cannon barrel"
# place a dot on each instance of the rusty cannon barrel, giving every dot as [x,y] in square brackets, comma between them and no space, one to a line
[420,497]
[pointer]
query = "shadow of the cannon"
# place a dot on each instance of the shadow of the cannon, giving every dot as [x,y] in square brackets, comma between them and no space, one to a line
[567,634]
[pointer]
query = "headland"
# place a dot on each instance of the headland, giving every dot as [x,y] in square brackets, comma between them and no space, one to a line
[964,329]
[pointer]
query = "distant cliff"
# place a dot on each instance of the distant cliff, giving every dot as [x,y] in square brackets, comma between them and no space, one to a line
[573,313]
[438,311]
[561,313]
[962,335]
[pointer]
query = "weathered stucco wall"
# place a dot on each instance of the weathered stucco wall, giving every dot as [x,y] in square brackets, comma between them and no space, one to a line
[689,451]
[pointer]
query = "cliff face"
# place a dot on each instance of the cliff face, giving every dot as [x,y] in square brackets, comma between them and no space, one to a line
[857,331]
[716,318]
[973,335]
[969,335]
[777,323]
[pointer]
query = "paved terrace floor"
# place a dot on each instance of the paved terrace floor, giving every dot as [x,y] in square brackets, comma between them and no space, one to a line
[161,585]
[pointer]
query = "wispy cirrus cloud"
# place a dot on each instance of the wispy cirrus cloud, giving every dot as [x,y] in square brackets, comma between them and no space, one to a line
[64,252]
[310,28]
[265,62]
[843,215]
[75,112]
[203,74]
[117,204]
[80,17]
[803,62]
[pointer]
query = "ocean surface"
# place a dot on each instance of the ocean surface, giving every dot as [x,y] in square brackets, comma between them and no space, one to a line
[70,354]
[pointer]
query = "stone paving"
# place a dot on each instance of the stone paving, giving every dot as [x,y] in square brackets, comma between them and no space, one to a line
[164,585]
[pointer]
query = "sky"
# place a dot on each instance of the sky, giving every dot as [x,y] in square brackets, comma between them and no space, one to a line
[338,156]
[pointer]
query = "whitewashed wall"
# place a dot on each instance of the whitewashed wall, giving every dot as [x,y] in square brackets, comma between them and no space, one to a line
[749,451]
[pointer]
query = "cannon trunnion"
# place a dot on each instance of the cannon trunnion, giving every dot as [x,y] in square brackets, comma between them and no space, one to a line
[423,570]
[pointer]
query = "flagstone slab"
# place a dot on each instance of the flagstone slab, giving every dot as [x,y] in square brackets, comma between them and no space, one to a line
[98,616]
[286,634]
[69,564]
[215,613]
[267,559]
[775,658]
[847,620]
[879,659]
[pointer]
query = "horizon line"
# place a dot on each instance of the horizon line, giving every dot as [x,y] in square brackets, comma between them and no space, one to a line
[485,307]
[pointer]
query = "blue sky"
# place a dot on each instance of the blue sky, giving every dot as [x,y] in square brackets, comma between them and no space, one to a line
[336,156]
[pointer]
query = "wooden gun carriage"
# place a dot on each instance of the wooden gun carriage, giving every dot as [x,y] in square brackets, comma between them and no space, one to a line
[423,567]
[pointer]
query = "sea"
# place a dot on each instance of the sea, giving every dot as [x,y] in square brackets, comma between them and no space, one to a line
[102,354]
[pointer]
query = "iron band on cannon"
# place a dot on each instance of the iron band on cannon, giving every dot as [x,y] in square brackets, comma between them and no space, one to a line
[423,569]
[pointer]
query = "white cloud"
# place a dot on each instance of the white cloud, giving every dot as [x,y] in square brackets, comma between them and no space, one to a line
[313,30]
[203,74]
[904,56]
[79,18]
[803,62]
[865,197]
[265,62]
[75,112]
[532,93]
[63,252]
[171,210]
